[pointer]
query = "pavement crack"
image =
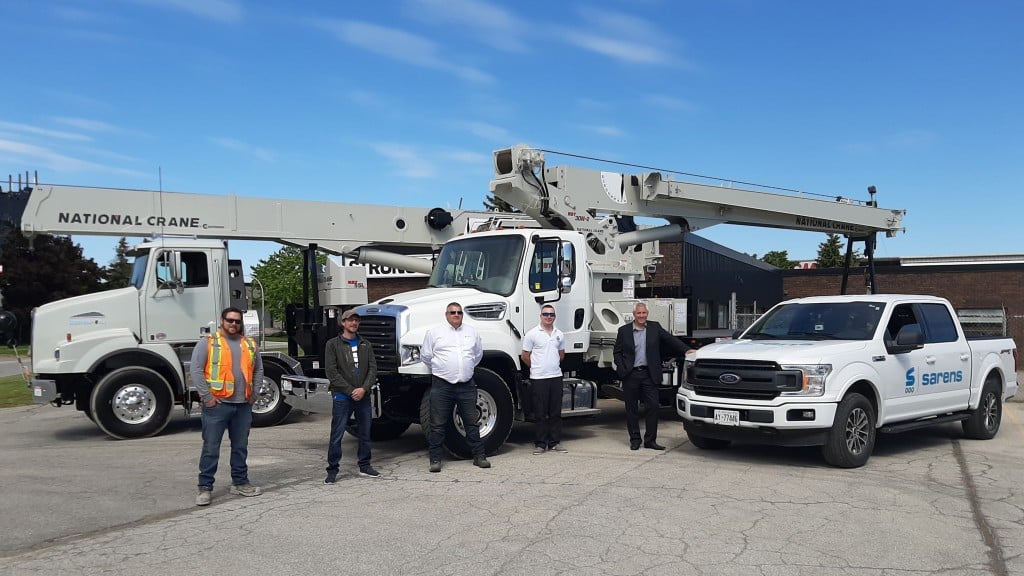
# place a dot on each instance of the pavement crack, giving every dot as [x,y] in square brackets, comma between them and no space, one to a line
[996,561]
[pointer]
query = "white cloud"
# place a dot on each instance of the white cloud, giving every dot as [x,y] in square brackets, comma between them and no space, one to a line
[604,130]
[408,161]
[898,142]
[670,103]
[218,10]
[488,131]
[399,45]
[37,131]
[85,124]
[239,146]
[622,37]
[13,152]
[490,24]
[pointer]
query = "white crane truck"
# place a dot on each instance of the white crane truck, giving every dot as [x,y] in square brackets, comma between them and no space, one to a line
[832,371]
[585,260]
[121,356]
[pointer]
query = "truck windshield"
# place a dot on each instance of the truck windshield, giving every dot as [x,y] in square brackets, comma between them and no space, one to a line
[818,321]
[487,263]
[139,268]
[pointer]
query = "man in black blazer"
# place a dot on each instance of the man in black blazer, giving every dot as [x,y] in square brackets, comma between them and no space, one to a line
[638,350]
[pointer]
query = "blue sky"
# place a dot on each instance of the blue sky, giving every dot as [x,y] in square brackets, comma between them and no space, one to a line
[401,102]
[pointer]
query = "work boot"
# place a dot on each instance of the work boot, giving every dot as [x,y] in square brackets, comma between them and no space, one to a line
[435,465]
[481,462]
[246,490]
[204,497]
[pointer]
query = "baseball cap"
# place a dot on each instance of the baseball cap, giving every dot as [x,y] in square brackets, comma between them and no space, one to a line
[348,314]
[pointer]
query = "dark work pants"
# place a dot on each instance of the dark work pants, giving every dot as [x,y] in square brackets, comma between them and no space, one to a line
[443,397]
[636,386]
[547,410]
[236,419]
[342,408]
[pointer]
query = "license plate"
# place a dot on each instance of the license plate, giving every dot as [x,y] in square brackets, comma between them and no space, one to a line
[727,417]
[286,386]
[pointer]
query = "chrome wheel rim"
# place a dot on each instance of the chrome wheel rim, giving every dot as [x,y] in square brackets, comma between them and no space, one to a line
[857,431]
[267,396]
[133,404]
[990,411]
[488,410]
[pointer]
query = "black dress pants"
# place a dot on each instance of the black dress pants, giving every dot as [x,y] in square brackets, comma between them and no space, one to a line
[638,385]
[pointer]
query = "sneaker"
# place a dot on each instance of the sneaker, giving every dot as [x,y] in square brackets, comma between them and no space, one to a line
[435,465]
[203,498]
[369,472]
[481,462]
[539,450]
[558,448]
[331,479]
[246,490]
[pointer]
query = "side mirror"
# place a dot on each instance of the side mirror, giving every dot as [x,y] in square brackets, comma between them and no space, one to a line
[566,257]
[909,338]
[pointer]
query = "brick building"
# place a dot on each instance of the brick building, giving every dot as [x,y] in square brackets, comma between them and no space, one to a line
[991,285]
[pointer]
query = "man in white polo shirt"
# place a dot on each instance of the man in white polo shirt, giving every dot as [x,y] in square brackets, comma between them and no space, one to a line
[543,351]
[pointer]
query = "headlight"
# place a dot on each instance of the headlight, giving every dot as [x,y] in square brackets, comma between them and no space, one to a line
[814,376]
[410,354]
[687,371]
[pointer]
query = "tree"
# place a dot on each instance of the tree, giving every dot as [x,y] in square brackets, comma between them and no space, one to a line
[495,204]
[832,254]
[779,259]
[54,269]
[281,276]
[119,272]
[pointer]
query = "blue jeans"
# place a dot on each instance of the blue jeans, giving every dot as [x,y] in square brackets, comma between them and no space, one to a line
[443,397]
[342,408]
[236,418]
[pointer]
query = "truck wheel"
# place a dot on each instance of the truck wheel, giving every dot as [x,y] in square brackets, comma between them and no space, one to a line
[705,443]
[131,402]
[494,405]
[852,437]
[383,428]
[985,419]
[270,408]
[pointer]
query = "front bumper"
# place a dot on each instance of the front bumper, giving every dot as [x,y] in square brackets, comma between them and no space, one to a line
[313,395]
[785,422]
[43,391]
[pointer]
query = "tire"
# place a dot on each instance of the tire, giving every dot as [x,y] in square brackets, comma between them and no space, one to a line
[270,409]
[705,443]
[494,403]
[985,419]
[383,428]
[131,402]
[852,438]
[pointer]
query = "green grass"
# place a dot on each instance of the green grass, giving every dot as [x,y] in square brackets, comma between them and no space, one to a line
[7,351]
[14,392]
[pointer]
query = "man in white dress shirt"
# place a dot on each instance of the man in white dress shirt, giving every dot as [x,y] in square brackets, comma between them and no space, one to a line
[452,350]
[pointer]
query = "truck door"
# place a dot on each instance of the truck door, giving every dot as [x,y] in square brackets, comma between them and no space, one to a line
[947,381]
[933,379]
[553,277]
[176,303]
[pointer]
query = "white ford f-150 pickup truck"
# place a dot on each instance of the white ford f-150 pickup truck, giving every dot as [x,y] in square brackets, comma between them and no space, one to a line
[834,371]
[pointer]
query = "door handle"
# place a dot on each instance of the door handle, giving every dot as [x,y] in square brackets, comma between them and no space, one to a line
[965,357]
[929,359]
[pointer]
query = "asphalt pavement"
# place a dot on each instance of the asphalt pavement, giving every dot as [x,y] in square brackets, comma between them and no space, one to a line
[77,502]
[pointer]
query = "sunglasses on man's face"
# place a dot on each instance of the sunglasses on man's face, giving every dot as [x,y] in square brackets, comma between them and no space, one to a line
[233,320]
[548,314]
[455,312]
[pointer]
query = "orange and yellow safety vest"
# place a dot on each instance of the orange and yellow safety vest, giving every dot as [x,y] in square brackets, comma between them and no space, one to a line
[220,374]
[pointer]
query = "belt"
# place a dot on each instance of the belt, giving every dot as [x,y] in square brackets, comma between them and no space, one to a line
[452,383]
[643,368]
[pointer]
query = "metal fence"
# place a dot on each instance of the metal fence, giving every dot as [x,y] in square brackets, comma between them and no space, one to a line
[983,323]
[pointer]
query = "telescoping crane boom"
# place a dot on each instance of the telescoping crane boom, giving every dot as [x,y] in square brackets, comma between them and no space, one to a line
[566,197]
